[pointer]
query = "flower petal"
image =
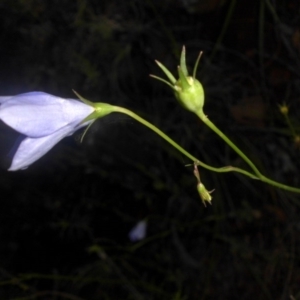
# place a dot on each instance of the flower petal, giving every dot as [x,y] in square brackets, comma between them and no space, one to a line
[4,98]
[138,232]
[37,114]
[31,149]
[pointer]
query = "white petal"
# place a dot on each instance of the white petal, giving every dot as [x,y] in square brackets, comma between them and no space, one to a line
[4,98]
[31,149]
[38,114]
[138,232]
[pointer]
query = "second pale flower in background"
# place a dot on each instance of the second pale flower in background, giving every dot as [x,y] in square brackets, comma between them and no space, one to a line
[138,232]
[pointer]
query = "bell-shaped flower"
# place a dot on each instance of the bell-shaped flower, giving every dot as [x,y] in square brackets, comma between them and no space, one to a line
[43,120]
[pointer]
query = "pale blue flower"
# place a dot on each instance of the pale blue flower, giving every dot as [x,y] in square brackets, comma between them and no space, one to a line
[138,232]
[43,120]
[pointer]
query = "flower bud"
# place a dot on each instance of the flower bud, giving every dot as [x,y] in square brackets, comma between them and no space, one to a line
[204,193]
[284,109]
[190,94]
[188,90]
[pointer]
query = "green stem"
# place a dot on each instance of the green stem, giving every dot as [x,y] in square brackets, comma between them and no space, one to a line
[224,29]
[213,127]
[263,178]
[291,127]
[179,148]
[273,12]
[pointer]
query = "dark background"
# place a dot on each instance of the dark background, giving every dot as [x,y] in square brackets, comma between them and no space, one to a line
[65,220]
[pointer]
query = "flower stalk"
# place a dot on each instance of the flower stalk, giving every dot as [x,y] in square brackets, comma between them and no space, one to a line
[43,120]
[190,94]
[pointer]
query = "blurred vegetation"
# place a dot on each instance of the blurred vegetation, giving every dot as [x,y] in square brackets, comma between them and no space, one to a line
[65,220]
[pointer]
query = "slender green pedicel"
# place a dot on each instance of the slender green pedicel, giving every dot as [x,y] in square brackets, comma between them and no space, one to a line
[190,94]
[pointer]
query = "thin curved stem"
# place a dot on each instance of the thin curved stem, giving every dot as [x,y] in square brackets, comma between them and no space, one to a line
[224,29]
[278,184]
[263,178]
[213,127]
[178,147]
[289,123]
